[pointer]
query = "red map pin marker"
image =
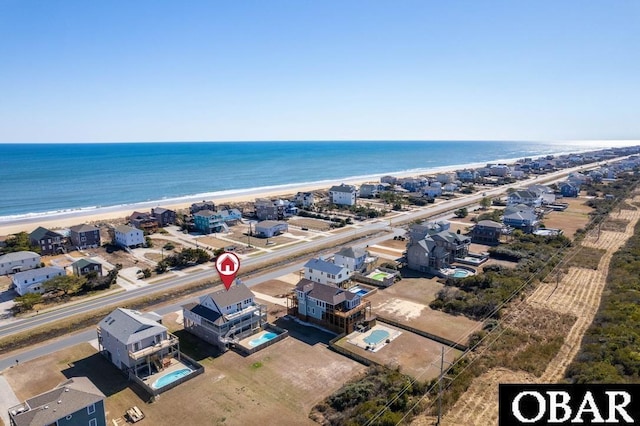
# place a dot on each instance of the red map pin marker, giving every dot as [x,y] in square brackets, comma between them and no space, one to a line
[227,265]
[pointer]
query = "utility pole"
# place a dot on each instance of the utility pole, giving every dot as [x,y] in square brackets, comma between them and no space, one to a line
[440,385]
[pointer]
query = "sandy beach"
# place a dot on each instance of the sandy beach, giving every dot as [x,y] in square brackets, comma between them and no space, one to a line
[66,219]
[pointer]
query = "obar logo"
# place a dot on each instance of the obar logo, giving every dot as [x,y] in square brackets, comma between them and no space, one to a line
[569,405]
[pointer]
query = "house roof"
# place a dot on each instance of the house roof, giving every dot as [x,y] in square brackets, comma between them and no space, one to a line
[160,210]
[81,263]
[520,215]
[518,208]
[129,326]
[523,193]
[37,273]
[39,233]
[352,252]
[205,213]
[67,398]
[126,229]
[342,188]
[269,224]
[324,266]
[490,224]
[84,228]
[204,312]
[236,294]
[18,255]
[328,293]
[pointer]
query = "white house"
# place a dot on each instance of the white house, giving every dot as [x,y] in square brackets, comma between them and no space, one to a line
[304,199]
[526,197]
[128,236]
[343,194]
[31,281]
[324,272]
[270,228]
[11,263]
[353,258]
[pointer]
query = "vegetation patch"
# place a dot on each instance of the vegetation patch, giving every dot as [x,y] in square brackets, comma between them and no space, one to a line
[610,350]
[615,225]
[585,257]
[381,397]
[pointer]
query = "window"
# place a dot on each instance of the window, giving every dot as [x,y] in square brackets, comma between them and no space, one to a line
[91,409]
[93,422]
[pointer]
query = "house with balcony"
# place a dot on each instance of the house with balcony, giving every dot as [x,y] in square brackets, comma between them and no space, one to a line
[343,194]
[521,217]
[74,402]
[431,248]
[328,306]
[86,266]
[84,236]
[225,317]
[433,190]
[31,281]
[488,232]
[304,199]
[144,221]
[352,258]
[49,242]
[163,216]
[568,189]
[136,343]
[524,196]
[204,205]
[274,209]
[208,221]
[18,261]
[128,236]
[369,190]
[325,272]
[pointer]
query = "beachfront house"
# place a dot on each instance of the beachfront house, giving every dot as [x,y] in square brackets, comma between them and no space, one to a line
[85,266]
[31,281]
[274,209]
[431,248]
[343,194]
[521,217]
[208,221]
[270,228]
[325,272]
[433,190]
[304,199]
[231,216]
[128,236]
[225,317]
[74,402]
[144,221]
[49,242]
[369,190]
[329,306]
[135,342]
[84,236]
[526,197]
[204,205]
[163,216]
[18,261]
[352,258]
[487,232]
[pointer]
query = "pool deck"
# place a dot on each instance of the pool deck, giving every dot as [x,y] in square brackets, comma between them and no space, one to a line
[357,337]
[174,366]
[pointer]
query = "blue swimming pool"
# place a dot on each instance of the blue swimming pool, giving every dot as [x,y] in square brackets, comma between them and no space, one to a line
[170,378]
[358,290]
[262,339]
[376,337]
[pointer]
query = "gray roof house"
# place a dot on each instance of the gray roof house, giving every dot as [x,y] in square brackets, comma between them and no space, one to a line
[31,281]
[431,249]
[343,194]
[11,263]
[128,236]
[75,402]
[487,232]
[354,258]
[134,341]
[225,316]
[322,271]
[521,217]
[85,236]
[526,197]
[270,228]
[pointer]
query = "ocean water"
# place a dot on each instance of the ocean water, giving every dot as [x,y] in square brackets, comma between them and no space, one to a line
[46,178]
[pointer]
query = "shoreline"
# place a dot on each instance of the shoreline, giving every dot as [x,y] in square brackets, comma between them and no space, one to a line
[63,219]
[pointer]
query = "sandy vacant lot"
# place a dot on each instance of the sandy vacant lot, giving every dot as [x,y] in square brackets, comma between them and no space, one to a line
[576,216]
[278,385]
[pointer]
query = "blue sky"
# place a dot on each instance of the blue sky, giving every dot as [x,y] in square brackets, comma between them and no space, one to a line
[85,71]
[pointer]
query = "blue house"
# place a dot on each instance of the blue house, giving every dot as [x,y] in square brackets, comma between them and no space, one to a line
[568,189]
[521,217]
[76,402]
